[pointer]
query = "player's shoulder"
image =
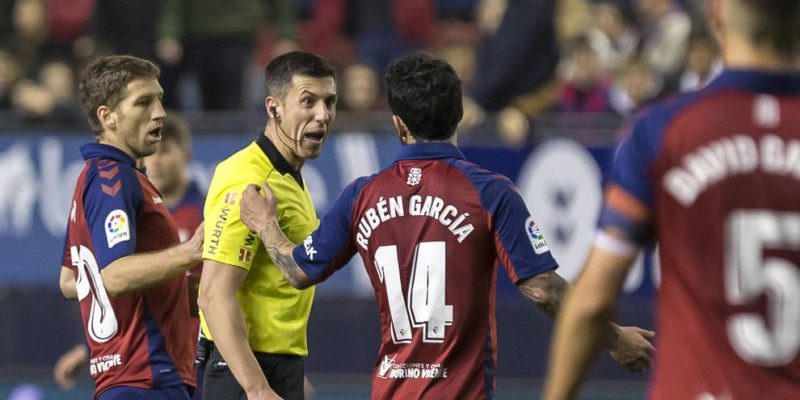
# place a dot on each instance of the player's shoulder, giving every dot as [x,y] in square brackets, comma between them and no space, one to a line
[480,177]
[111,177]
[238,170]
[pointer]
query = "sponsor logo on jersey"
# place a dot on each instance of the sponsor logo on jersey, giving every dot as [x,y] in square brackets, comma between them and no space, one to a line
[230,198]
[157,200]
[102,364]
[536,237]
[414,176]
[309,246]
[117,227]
[245,255]
[391,369]
[216,233]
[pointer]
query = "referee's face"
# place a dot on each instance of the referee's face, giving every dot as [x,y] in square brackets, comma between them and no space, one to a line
[306,114]
[139,119]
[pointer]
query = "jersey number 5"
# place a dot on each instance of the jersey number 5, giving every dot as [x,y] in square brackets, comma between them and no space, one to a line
[425,307]
[749,275]
[102,325]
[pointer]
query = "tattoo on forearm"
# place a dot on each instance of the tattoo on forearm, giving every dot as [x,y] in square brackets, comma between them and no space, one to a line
[547,292]
[286,263]
[280,250]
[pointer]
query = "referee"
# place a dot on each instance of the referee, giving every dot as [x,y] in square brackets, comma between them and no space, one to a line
[255,319]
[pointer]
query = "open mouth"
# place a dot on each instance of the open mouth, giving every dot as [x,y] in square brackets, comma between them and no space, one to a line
[155,133]
[314,137]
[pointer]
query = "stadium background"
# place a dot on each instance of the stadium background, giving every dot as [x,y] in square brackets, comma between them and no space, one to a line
[548,87]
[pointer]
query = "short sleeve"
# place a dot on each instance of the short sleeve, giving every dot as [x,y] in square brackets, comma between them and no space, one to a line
[628,195]
[521,247]
[331,246]
[112,200]
[227,239]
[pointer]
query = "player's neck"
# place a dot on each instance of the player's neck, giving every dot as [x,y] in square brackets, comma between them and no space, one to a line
[103,139]
[741,54]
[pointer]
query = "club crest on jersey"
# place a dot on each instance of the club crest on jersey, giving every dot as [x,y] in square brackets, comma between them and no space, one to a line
[535,236]
[117,227]
[414,176]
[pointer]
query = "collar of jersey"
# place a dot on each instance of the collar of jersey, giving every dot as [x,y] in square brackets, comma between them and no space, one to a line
[277,160]
[758,81]
[97,150]
[424,150]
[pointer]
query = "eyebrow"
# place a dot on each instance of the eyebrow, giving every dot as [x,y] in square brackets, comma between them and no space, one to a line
[308,92]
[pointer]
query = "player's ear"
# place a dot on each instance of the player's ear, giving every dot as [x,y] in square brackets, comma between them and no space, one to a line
[107,117]
[714,12]
[402,130]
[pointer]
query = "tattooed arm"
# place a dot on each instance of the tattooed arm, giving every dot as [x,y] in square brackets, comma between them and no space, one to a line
[280,250]
[628,345]
[259,213]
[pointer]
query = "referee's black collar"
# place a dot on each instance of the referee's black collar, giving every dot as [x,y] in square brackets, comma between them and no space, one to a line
[277,159]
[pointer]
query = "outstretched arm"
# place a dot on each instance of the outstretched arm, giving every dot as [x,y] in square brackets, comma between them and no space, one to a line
[628,345]
[259,213]
[583,324]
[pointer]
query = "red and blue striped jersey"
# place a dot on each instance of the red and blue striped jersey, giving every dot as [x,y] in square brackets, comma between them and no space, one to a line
[141,339]
[430,229]
[714,177]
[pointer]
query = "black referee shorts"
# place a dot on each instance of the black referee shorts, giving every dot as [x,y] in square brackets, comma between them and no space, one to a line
[284,373]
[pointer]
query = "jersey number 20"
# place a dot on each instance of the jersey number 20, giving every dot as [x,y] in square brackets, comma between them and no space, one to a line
[748,274]
[425,307]
[102,325]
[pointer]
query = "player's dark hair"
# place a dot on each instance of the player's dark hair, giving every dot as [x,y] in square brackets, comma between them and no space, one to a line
[104,80]
[775,23]
[176,130]
[279,72]
[426,94]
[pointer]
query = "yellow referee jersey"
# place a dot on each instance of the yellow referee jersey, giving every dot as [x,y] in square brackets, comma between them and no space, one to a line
[276,313]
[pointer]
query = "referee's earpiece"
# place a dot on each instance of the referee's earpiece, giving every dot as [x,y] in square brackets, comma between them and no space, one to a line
[274,112]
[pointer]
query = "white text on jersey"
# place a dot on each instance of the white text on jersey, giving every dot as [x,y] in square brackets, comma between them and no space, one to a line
[428,206]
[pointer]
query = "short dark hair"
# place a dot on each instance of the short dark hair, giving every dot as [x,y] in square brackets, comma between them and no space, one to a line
[104,80]
[177,130]
[425,93]
[775,23]
[279,72]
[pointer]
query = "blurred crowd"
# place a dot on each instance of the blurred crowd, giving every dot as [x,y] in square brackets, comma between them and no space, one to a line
[517,58]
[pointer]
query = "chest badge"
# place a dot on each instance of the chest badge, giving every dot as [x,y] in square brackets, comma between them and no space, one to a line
[414,176]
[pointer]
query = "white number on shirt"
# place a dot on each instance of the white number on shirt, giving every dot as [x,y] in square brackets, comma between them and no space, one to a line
[749,275]
[426,306]
[102,324]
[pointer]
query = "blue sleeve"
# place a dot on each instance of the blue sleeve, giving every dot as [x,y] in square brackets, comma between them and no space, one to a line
[331,246]
[521,246]
[112,200]
[629,194]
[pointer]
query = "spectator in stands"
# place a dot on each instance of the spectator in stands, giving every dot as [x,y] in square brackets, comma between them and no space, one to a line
[9,74]
[611,34]
[121,27]
[507,76]
[584,84]
[702,64]
[379,29]
[215,39]
[50,96]
[637,85]
[665,29]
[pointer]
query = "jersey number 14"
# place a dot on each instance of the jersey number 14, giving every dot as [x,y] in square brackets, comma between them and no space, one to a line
[425,306]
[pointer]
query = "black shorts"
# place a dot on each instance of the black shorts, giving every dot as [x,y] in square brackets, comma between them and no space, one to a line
[284,373]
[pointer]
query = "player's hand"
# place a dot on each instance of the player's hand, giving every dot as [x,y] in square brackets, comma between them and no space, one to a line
[256,210]
[633,349]
[195,245]
[69,366]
